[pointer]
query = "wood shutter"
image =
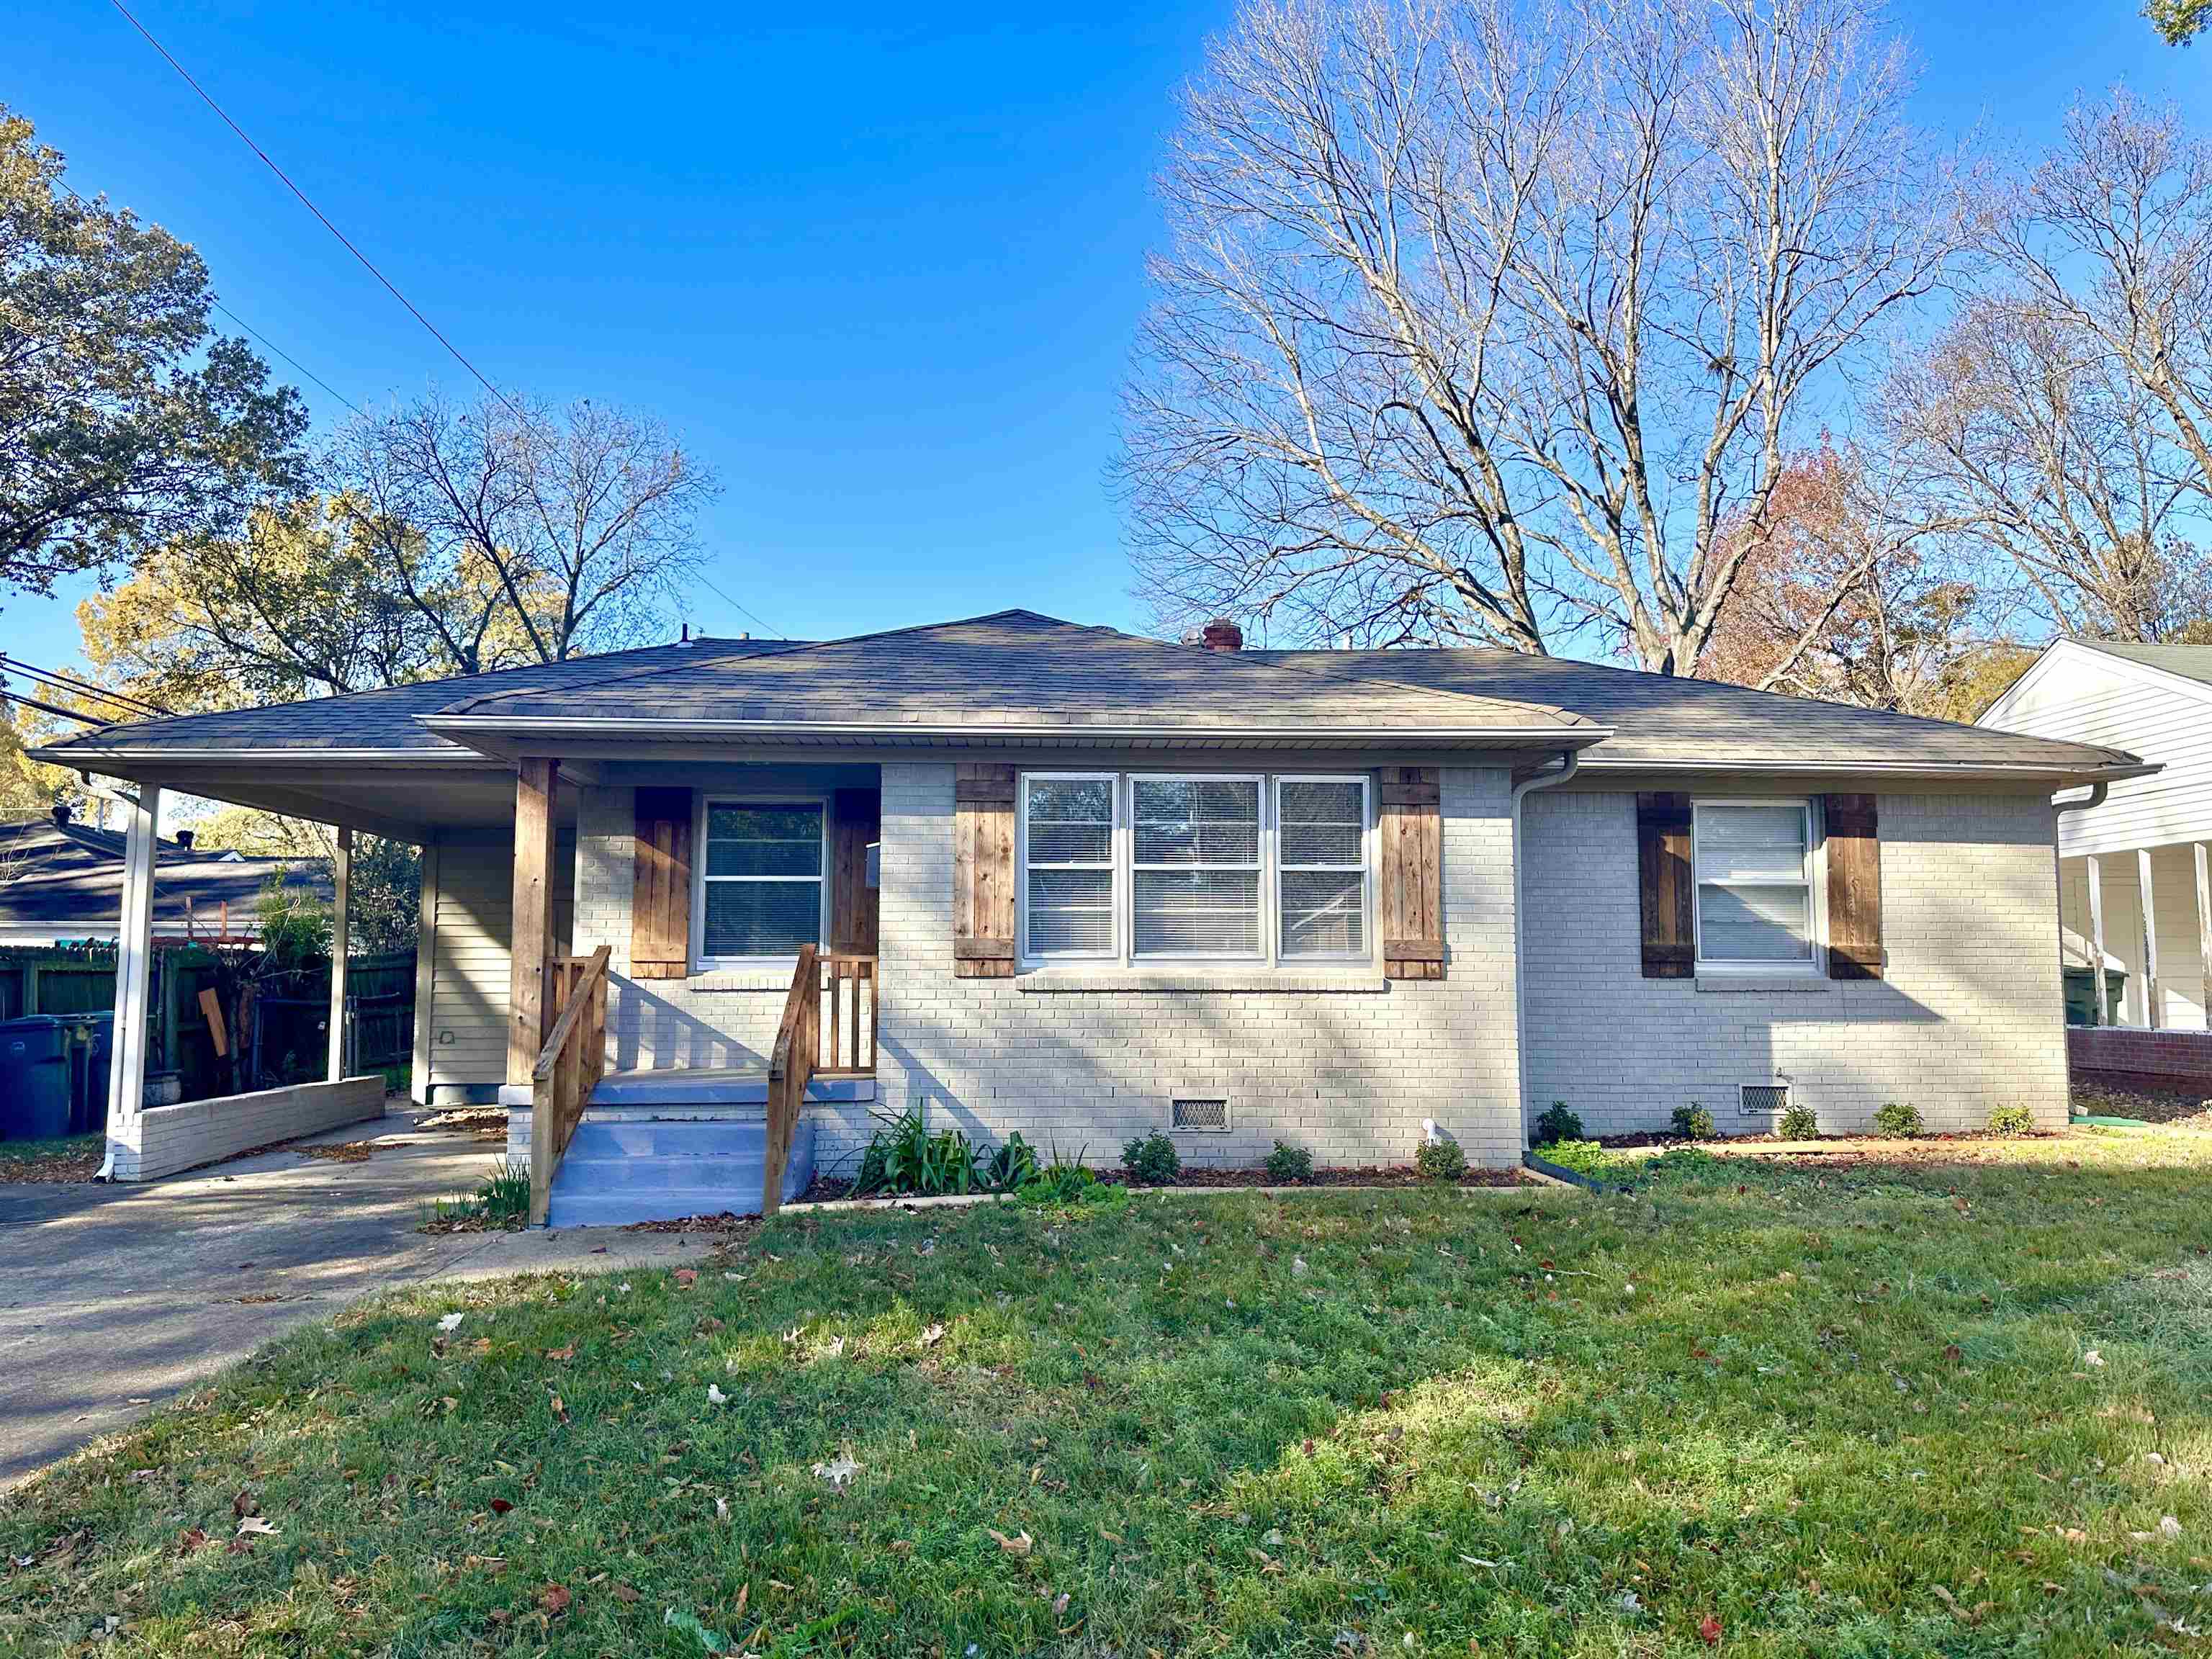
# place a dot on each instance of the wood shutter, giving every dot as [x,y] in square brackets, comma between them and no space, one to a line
[983,871]
[1664,880]
[1411,911]
[660,901]
[1854,887]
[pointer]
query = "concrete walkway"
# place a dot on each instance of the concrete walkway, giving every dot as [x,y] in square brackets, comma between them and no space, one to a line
[113,1298]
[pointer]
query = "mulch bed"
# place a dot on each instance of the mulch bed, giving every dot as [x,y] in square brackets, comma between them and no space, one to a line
[2150,1103]
[479,1122]
[71,1167]
[351,1151]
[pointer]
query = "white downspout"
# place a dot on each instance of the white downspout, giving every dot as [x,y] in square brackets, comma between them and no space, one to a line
[1570,763]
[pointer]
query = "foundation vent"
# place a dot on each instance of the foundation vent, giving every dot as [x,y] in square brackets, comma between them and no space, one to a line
[1199,1114]
[1766,1099]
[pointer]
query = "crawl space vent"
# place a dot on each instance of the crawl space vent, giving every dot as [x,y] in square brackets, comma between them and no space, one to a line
[1199,1114]
[1766,1099]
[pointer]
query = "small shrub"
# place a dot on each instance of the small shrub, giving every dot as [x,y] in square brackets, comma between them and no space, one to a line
[2012,1120]
[1013,1164]
[1061,1182]
[1440,1159]
[1287,1164]
[903,1156]
[1693,1122]
[1797,1122]
[1896,1120]
[1151,1161]
[501,1203]
[1556,1122]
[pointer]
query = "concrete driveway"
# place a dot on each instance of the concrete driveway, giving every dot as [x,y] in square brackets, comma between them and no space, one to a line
[113,1298]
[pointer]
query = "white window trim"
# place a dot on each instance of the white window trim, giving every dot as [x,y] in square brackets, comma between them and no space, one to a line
[701,962]
[1277,867]
[1270,957]
[1262,854]
[1814,965]
[1115,864]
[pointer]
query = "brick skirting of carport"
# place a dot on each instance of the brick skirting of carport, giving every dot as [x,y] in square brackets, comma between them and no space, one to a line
[2178,1060]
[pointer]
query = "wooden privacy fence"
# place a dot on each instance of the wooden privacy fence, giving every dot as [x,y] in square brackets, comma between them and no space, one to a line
[568,1067]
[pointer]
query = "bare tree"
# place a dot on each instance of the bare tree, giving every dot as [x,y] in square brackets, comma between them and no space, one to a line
[525,533]
[1495,321]
[2066,411]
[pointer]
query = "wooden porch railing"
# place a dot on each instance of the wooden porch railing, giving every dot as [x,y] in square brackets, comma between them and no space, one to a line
[568,1067]
[843,985]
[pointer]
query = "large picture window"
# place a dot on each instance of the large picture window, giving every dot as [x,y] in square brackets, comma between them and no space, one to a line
[1148,867]
[760,887]
[1755,878]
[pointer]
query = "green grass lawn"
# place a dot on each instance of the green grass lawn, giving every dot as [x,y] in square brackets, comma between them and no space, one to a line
[1883,1411]
[64,1157]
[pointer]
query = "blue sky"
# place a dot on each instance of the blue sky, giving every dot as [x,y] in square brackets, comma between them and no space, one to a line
[881,272]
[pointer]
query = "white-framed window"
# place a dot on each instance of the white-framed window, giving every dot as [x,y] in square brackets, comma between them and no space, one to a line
[1754,869]
[1146,867]
[761,892]
[1196,859]
[1068,831]
[1320,862]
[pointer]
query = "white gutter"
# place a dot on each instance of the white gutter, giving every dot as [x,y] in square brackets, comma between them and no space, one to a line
[1570,763]
[1309,735]
[2111,770]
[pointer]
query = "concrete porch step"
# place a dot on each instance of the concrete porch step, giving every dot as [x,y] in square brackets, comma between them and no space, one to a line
[657,1169]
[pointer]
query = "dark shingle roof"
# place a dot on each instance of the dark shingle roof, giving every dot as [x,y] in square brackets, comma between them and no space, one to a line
[1019,672]
[1016,671]
[1662,718]
[56,875]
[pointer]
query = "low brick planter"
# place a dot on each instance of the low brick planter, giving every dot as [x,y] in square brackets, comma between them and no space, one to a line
[2179,1060]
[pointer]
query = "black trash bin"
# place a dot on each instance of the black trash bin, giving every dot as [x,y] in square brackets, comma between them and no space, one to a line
[36,1080]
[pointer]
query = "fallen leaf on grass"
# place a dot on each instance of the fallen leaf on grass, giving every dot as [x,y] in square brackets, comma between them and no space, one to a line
[715,1396]
[451,1322]
[253,1526]
[1020,1544]
[554,1599]
[561,1353]
[501,1505]
[621,1592]
[189,1540]
[838,1470]
[1709,1630]
[933,1336]
[684,1619]
[687,1277]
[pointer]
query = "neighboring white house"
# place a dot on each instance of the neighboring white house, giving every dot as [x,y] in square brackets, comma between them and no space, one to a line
[1084,886]
[2135,870]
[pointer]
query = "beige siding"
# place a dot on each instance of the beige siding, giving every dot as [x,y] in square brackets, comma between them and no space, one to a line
[469,967]
[2173,890]
[2076,694]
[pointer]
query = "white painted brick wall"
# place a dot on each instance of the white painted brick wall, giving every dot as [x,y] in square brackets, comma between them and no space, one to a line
[1968,1016]
[1348,1075]
[164,1139]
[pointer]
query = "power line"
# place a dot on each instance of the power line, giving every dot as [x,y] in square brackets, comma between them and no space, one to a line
[367,264]
[706,583]
[287,356]
[58,681]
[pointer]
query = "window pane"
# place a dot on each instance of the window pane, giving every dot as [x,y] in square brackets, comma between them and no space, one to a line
[1071,820]
[761,918]
[1324,914]
[1197,820]
[1752,924]
[1322,823]
[1071,912]
[1203,913]
[763,840]
[1751,843]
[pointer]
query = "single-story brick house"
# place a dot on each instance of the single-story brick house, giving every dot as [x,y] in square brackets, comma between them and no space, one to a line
[1087,886]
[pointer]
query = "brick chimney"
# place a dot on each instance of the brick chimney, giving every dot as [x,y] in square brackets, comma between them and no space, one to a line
[1222,635]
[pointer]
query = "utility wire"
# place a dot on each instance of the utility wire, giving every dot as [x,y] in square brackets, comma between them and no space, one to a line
[367,264]
[54,708]
[287,356]
[58,681]
[703,582]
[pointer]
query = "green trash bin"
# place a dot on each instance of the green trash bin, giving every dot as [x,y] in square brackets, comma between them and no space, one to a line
[35,1076]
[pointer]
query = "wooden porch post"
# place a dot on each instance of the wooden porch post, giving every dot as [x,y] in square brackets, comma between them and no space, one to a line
[134,951]
[2149,908]
[341,933]
[530,975]
[2101,1015]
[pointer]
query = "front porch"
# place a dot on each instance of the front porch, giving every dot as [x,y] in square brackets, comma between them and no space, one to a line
[2135,927]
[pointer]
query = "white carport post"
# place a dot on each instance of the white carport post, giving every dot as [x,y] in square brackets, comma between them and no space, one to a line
[341,907]
[2149,911]
[2102,1014]
[2204,930]
[134,951]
